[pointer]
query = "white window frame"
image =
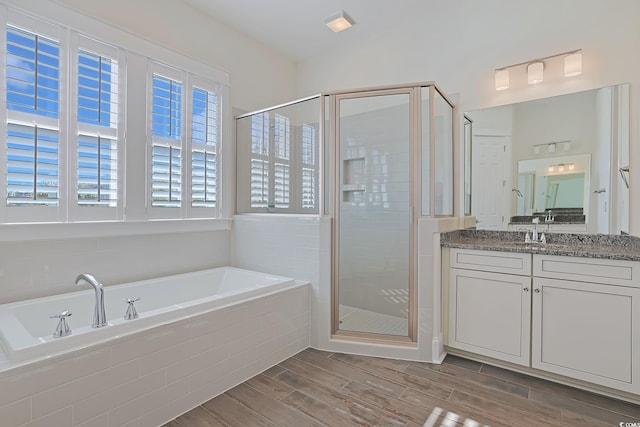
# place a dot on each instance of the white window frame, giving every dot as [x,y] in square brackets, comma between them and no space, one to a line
[18,214]
[96,213]
[162,212]
[216,89]
[67,220]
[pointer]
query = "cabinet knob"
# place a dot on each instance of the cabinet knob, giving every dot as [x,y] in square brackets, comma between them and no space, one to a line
[536,290]
[526,289]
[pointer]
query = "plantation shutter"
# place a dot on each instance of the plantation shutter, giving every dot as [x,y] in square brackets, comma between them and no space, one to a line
[260,160]
[166,153]
[282,159]
[309,167]
[204,141]
[97,145]
[32,103]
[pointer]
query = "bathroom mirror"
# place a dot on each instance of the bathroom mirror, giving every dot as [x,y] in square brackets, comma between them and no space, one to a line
[517,152]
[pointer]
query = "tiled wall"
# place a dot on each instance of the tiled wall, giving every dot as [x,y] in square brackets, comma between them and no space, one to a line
[30,269]
[287,245]
[293,246]
[154,376]
[374,210]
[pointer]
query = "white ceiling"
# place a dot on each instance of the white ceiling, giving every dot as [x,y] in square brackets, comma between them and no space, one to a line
[295,27]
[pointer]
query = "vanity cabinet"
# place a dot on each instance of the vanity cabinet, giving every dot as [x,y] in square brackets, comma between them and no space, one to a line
[490,310]
[564,315]
[583,320]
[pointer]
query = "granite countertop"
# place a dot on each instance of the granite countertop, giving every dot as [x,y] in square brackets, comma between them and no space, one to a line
[557,219]
[579,245]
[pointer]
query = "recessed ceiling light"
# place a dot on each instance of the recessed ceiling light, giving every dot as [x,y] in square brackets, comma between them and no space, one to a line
[339,21]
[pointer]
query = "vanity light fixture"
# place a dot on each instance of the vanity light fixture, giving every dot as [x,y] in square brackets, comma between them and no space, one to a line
[550,147]
[573,64]
[502,79]
[535,68]
[339,21]
[535,72]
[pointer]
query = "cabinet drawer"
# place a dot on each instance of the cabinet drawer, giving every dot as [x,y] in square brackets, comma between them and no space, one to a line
[491,261]
[593,270]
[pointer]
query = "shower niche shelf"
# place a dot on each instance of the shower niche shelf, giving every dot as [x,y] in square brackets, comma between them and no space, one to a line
[353,176]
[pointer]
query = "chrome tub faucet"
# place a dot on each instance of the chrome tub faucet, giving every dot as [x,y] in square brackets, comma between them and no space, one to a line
[99,316]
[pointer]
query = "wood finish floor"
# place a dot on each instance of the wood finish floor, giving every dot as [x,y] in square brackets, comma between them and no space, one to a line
[316,388]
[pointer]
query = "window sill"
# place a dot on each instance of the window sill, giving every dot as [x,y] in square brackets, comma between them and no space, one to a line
[73,230]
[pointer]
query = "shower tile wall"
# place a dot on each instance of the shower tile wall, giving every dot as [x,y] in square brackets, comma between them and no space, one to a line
[376,160]
[280,244]
[30,269]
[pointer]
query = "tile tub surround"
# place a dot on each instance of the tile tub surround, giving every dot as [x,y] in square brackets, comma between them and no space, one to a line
[578,245]
[150,378]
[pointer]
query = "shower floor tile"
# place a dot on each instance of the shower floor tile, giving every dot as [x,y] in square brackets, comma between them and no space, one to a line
[358,320]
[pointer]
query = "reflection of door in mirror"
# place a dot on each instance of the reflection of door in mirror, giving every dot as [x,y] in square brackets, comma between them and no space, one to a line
[489,169]
[526,188]
[468,124]
[552,194]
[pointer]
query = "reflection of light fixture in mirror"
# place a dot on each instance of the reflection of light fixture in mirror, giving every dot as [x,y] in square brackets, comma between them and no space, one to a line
[550,147]
[573,64]
[535,68]
[339,21]
[560,167]
[535,72]
[502,79]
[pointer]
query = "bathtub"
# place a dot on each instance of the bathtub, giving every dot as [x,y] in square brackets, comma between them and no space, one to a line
[26,331]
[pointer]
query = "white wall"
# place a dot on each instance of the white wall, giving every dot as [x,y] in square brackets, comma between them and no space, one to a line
[260,77]
[459,44]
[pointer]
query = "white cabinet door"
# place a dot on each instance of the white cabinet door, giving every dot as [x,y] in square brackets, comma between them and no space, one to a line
[490,314]
[586,331]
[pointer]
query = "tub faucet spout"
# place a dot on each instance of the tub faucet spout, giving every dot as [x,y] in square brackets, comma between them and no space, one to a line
[99,316]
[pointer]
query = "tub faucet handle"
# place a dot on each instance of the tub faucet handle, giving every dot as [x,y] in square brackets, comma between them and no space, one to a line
[62,329]
[131,309]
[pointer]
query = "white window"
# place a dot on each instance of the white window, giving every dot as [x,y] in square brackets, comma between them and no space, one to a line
[64,156]
[260,160]
[33,154]
[204,141]
[309,170]
[283,163]
[166,106]
[99,141]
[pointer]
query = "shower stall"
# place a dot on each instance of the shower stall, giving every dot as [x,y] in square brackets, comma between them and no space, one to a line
[374,161]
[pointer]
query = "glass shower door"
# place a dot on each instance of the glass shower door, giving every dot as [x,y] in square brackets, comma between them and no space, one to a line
[373,256]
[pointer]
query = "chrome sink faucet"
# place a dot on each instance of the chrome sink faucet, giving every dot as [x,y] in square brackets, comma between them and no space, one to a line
[535,238]
[99,316]
[548,217]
